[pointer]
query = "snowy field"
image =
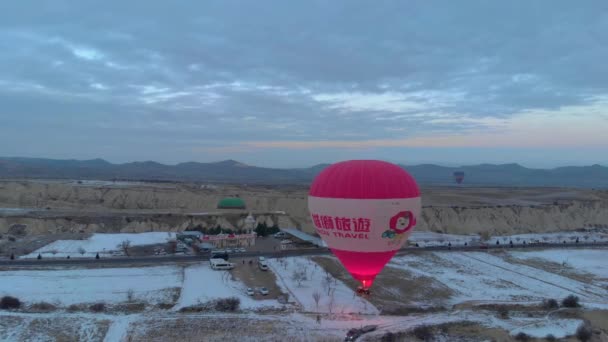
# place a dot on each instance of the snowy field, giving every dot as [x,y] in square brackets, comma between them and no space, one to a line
[431,239]
[436,239]
[110,285]
[557,237]
[473,277]
[202,284]
[104,244]
[590,261]
[478,277]
[428,239]
[334,296]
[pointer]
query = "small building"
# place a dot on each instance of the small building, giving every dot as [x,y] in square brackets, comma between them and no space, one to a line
[250,223]
[189,234]
[232,203]
[230,240]
[205,246]
[287,244]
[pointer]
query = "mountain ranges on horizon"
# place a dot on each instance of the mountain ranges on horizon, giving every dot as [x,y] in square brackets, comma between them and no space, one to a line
[231,171]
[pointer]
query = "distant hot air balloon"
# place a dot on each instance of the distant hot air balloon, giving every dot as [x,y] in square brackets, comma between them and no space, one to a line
[459,176]
[364,210]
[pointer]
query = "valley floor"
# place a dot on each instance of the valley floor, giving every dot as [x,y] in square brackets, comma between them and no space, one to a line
[457,295]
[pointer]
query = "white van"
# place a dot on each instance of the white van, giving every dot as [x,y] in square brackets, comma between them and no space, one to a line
[262,265]
[221,264]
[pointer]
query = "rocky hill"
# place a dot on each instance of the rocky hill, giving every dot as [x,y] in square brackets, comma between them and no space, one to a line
[230,171]
[110,207]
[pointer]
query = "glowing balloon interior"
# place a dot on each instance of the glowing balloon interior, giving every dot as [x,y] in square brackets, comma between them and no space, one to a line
[364,210]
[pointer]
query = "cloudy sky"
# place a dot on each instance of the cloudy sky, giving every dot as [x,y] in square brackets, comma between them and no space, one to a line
[286,83]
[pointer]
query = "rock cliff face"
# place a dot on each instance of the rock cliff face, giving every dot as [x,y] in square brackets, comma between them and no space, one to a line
[29,225]
[163,207]
[513,219]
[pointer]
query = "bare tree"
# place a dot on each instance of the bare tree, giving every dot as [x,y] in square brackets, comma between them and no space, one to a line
[327,282]
[298,276]
[81,251]
[545,238]
[316,296]
[172,246]
[130,295]
[125,246]
[330,304]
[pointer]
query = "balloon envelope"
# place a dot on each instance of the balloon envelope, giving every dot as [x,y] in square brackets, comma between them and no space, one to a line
[364,210]
[458,176]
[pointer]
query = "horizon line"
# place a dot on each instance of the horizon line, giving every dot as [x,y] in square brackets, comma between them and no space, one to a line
[439,164]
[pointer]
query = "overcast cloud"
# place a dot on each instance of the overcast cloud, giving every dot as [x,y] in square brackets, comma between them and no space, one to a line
[285,83]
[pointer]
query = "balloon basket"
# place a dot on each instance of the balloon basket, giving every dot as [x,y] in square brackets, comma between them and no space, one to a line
[361,291]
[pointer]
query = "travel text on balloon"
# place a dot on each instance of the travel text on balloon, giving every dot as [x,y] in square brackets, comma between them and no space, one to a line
[343,227]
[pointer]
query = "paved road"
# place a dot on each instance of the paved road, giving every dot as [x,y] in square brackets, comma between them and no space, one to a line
[295,252]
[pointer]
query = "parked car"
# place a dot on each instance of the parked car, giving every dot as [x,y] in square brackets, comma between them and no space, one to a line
[250,291]
[229,250]
[242,250]
[220,256]
[261,259]
[280,235]
[263,291]
[355,333]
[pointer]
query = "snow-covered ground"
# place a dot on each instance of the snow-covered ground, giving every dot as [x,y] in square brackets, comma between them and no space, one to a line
[296,326]
[475,277]
[485,277]
[558,327]
[110,285]
[203,284]
[425,239]
[334,296]
[104,244]
[103,183]
[428,239]
[557,237]
[590,261]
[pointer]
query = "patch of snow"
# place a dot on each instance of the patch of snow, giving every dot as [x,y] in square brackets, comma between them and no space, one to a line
[341,298]
[109,285]
[559,328]
[428,239]
[479,277]
[102,183]
[119,328]
[304,236]
[203,284]
[592,261]
[556,237]
[104,244]
[535,327]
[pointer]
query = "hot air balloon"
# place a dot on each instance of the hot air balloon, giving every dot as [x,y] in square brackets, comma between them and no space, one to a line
[364,210]
[459,176]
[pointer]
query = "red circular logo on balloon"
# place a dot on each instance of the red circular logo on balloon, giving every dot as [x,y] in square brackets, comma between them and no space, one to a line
[402,222]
